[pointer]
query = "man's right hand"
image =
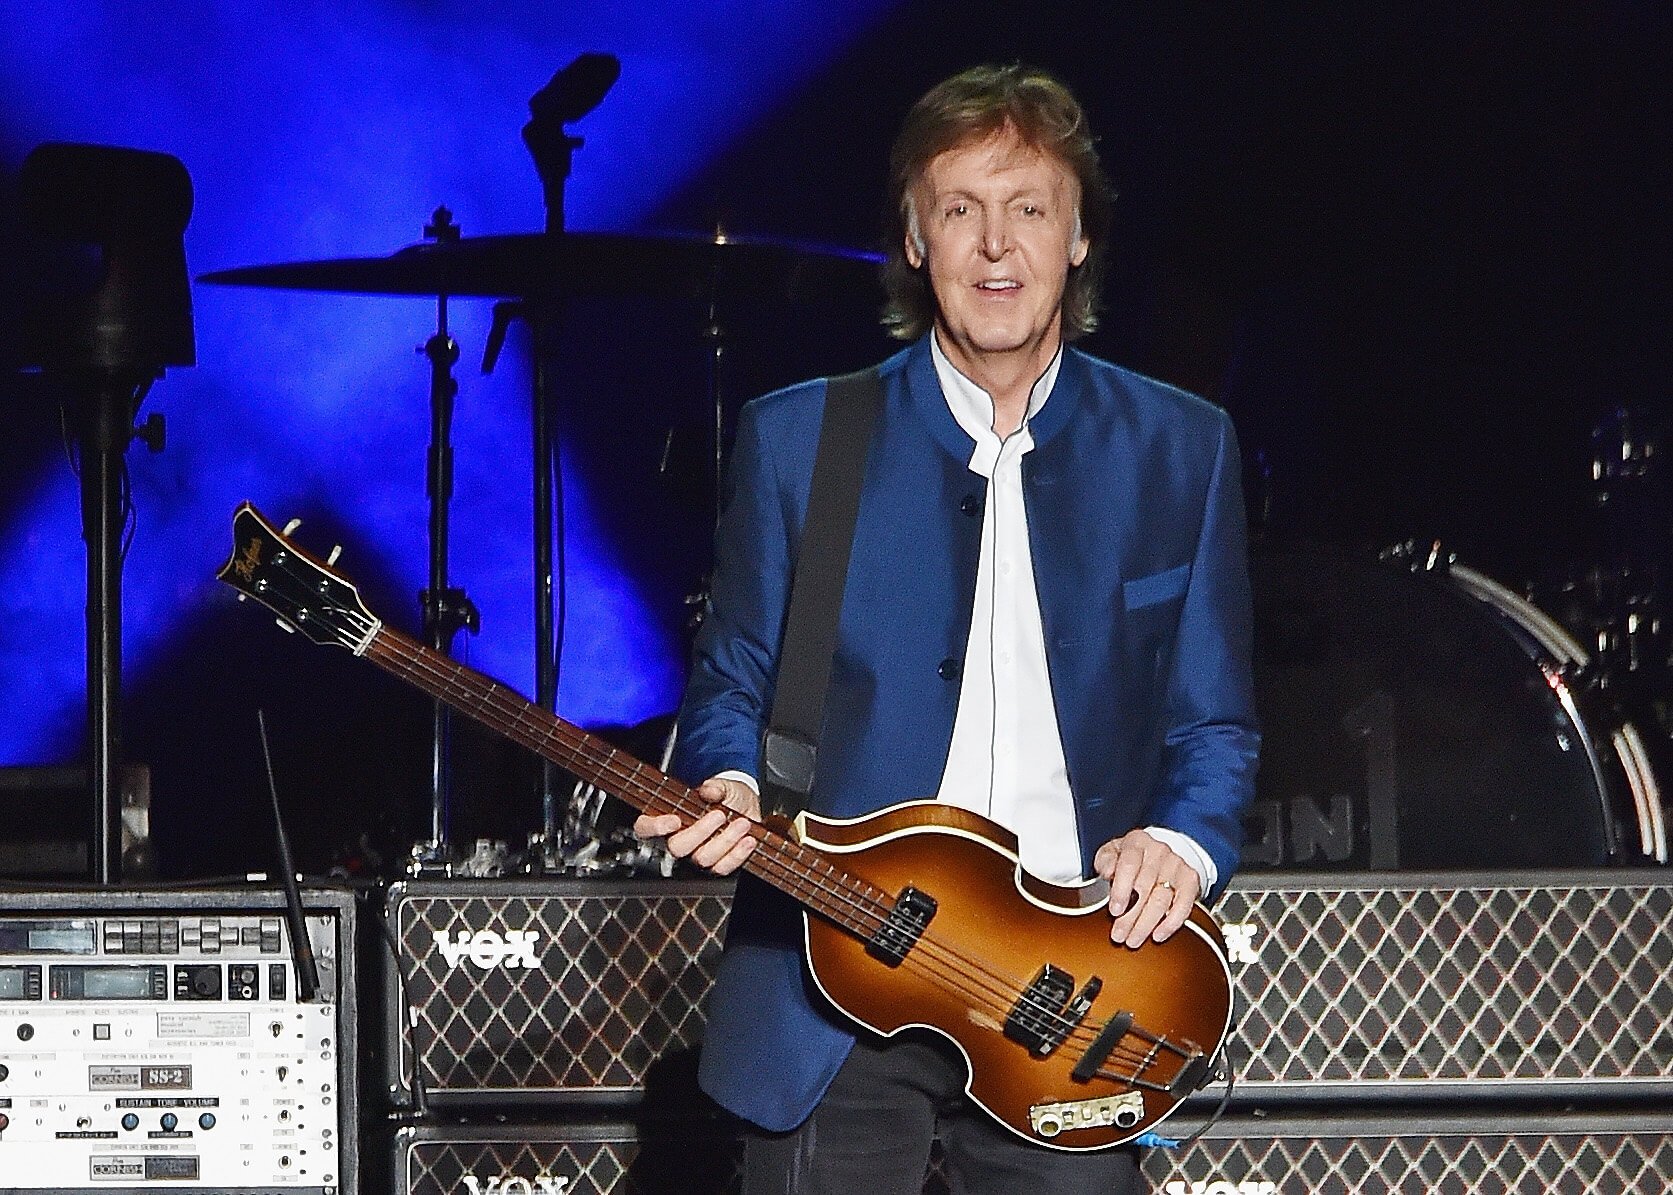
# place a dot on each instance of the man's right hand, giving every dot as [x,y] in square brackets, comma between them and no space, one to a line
[720,840]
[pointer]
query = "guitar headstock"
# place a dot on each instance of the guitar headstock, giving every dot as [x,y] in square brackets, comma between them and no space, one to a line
[305,592]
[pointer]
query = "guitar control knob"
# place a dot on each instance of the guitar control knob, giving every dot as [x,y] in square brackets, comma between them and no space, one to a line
[206,1121]
[130,1122]
[169,1122]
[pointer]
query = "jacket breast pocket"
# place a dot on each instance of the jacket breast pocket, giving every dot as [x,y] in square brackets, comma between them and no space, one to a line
[1157,589]
[1152,621]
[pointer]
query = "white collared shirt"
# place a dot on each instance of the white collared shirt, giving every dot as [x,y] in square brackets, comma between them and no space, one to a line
[1006,759]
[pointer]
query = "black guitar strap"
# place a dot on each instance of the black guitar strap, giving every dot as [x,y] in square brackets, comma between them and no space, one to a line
[790,748]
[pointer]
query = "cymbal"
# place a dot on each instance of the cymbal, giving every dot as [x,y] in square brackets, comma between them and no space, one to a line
[545,266]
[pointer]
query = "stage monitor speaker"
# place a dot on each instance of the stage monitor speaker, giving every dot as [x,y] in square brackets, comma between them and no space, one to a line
[155,1039]
[550,991]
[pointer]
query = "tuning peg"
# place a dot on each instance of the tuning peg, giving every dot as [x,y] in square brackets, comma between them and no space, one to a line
[285,626]
[243,597]
[336,551]
[291,526]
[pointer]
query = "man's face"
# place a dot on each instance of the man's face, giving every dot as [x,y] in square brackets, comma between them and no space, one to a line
[999,227]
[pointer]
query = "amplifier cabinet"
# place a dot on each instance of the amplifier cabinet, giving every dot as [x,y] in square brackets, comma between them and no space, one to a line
[543,991]
[1416,1154]
[1350,988]
[1425,987]
[650,1158]
[1487,1154]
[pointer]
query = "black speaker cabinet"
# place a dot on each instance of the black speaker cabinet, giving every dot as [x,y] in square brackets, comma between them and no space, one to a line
[1412,1154]
[1418,1153]
[551,991]
[573,1159]
[1351,989]
[1424,987]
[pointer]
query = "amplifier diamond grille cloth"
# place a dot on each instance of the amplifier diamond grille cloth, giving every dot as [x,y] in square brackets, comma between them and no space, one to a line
[619,972]
[1415,1159]
[582,1160]
[1349,987]
[1419,980]
[1571,1154]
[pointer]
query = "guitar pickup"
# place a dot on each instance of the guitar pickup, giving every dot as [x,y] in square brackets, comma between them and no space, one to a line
[1043,1015]
[902,928]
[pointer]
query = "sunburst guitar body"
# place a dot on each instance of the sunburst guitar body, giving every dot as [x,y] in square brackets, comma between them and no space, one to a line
[918,917]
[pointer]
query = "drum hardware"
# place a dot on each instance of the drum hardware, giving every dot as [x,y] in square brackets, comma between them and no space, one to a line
[526,271]
[1573,672]
[489,858]
[1420,715]
[447,610]
[1624,453]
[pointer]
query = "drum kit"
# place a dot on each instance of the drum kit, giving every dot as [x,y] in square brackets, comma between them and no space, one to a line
[530,277]
[1416,713]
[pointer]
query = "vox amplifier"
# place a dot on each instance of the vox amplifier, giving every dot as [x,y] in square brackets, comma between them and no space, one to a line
[1484,1154]
[1350,988]
[1416,1154]
[543,991]
[694,1158]
[1424,987]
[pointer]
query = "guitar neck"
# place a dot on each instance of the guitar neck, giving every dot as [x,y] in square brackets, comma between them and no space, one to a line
[786,864]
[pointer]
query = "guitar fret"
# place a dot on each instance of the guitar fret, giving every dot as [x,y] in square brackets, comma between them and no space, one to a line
[308,596]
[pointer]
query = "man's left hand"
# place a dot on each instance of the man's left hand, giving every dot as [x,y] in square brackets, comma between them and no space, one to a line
[1152,888]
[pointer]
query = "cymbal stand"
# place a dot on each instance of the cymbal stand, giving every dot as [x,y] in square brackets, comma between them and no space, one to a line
[447,610]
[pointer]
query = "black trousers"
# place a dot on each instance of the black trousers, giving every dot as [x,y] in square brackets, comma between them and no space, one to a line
[871,1134]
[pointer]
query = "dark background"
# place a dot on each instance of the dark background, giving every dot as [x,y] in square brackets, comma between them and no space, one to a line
[1419,252]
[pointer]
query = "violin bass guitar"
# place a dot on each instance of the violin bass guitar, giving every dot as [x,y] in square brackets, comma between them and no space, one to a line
[917,916]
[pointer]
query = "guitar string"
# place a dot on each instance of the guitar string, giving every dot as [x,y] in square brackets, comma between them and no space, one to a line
[866,905]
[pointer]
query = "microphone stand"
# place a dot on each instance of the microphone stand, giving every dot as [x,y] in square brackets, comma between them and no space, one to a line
[107,426]
[572,93]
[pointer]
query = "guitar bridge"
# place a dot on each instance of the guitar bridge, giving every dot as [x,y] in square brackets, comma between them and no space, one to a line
[902,928]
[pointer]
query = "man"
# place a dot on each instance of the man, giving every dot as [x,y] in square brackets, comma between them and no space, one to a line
[1046,619]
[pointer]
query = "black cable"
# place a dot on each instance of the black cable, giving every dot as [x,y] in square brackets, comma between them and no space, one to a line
[409,1031]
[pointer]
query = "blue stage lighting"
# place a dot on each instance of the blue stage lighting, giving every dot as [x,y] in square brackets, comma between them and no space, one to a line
[320,128]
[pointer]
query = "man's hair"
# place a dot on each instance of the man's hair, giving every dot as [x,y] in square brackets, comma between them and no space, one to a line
[969,108]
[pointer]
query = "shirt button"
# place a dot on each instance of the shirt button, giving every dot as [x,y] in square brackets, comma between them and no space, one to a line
[949,669]
[969,505]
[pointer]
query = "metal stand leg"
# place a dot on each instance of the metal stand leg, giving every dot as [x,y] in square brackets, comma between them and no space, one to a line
[446,609]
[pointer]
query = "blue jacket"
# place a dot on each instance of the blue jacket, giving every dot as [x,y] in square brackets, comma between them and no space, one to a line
[1136,528]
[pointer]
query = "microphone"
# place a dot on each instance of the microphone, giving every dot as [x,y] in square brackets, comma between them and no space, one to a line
[576,89]
[570,94]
